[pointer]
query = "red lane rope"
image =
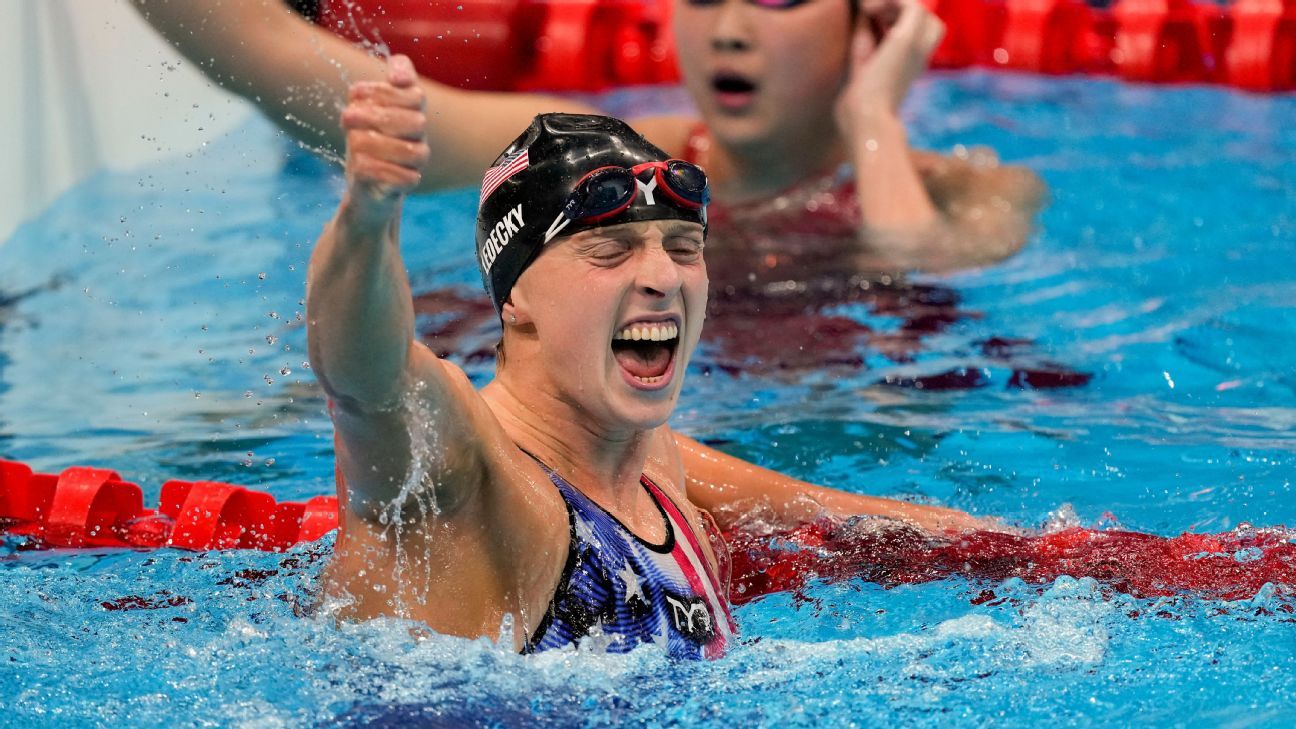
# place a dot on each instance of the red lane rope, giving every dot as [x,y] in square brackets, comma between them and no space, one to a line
[1229,566]
[95,507]
[592,45]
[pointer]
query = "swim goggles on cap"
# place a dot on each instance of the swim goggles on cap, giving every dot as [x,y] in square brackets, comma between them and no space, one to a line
[608,191]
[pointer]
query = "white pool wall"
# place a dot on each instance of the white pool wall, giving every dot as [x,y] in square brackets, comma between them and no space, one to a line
[87,84]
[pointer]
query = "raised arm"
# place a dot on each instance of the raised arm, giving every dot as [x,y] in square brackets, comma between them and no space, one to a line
[299,73]
[921,210]
[729,487]
[408,423]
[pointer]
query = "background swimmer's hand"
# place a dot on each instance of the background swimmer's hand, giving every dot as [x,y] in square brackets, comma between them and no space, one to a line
[893,42]
[901,226]
[386,141]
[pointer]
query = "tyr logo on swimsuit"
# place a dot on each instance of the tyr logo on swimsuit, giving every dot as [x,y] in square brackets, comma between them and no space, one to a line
[691,617]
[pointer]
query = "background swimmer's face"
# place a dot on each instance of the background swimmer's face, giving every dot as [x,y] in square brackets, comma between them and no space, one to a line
[760,74]
[613,315]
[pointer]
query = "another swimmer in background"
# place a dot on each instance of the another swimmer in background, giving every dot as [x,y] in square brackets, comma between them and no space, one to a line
[557,494]
[789,92]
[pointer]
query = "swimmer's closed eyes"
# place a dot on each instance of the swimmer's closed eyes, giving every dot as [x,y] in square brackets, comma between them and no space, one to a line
[682,245]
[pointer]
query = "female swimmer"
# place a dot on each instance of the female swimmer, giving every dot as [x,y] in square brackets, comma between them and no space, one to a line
[556,494]
[800,129]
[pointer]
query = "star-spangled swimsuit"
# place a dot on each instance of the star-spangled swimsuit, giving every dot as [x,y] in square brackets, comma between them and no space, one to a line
[620,590]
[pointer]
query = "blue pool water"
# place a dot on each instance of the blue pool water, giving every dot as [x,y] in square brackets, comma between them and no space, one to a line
[151,322]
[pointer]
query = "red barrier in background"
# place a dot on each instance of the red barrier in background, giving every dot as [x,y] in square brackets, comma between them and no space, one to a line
[1041,36]
[472,44]
[592,45]
[94,507]
[1262,53]
[1161,40]
[554,45]
[973,32]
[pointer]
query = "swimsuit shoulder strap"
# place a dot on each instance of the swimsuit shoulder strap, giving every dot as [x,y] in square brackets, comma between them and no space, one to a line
[573,499]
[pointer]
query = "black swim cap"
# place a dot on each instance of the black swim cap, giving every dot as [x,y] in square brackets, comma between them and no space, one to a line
[525,190]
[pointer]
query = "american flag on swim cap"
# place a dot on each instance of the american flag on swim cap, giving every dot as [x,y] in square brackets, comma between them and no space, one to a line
[507,167]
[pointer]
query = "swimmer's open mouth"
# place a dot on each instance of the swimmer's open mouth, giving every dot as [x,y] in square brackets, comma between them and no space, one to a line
[733,90]
[646,351]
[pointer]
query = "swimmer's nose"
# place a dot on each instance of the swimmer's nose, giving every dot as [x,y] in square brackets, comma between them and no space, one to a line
[731,32]
[658,275]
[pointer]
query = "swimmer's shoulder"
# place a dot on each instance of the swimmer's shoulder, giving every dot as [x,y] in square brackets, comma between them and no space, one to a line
[665,465]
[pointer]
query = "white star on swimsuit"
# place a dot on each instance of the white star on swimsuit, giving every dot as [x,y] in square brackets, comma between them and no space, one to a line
[633,588]
[585,533]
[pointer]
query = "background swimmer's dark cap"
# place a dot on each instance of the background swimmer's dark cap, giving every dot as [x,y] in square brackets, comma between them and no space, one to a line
[524,191]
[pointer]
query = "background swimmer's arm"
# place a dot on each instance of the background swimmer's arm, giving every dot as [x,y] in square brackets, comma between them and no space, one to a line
[390,394]
[919,210]
[984,212]
[988,209]
[891,46]
[299,73]
[729,487]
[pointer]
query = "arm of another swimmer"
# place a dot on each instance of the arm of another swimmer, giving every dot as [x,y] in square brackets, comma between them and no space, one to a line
[298,74]
[988,209]
[360,327]
[723,485]
[942,213]
[920,210]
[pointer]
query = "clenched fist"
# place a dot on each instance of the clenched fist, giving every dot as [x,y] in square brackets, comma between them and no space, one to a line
[386,147]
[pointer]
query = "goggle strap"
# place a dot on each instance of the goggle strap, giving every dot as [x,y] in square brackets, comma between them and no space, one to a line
[556,227]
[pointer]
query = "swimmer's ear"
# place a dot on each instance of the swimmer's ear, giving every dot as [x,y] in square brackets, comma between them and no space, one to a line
[514,312]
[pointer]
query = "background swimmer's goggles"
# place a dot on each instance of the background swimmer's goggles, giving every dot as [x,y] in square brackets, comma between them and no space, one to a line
[609,191]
